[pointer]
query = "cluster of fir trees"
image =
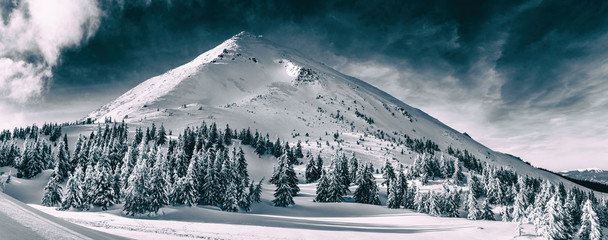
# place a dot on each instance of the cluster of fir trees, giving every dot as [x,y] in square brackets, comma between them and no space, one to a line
[194,169]
[467,159]
[36,152]
[558,213]
[333,183]
[427,166]
[446,203]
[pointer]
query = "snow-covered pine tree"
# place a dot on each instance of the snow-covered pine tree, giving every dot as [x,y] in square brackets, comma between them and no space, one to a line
[452,204]
[472,208]
[419,200]
[353,168]
[367,191]
[260,148]
[72,196]
[520,203]
[210,193]
[402,189]
[590,225]
[128,163]
[52,191]
[257,193]
[311,170]
[161,137]
[242,173]
[486,211]
[226,177]
[298,151]
[74,160]
[458,176]
[573,211]
[318,165]
[388,173]
[284,167]
[87,185]
[505,213]
[322,188]
[136,199]
[434,204]
[554,227]
[157,190]
[337,189]
[475,186]
[230,203]
[394,200]
[102,192]
[283,196]
[188,185]
[62,161]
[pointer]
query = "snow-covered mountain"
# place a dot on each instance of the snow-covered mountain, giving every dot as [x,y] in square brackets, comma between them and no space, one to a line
[591,174]
[248,81]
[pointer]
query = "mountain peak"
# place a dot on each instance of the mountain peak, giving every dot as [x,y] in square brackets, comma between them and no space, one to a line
[245,34]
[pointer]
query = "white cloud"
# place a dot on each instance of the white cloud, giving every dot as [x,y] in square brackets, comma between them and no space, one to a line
[32,38]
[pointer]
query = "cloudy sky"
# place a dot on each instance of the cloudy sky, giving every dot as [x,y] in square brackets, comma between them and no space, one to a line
[525,77]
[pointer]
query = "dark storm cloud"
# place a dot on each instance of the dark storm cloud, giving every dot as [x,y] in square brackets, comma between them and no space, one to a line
[536,43]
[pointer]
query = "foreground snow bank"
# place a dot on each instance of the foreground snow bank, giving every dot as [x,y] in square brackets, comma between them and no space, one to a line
[20,221]
[208,223]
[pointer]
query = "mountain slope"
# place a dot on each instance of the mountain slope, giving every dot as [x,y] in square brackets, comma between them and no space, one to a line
[248,81]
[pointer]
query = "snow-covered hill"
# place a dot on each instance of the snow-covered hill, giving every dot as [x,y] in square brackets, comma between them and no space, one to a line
[248,81]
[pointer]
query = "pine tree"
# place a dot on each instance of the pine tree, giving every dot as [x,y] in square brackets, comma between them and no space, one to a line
[322,188]
[458,176]
[353,168]
[590,226]
[388,173]
[486,211]
[298,151]
[72,197]
[260,148]
[284,167]
[505,214]
[87,185]
[188,186]
[434,204]
[257,193]
[452,205]
[311,171]
[337,189]
[210,193]
[554,223]
[520,203]
[367,191]
[230,203]
[161,138]
[419,201]
[102,194]
[157,190]
[475,186]
[402,189]
[283,195]
[62,161]
[136,199]
[52,192]
[393,197]
[474,212]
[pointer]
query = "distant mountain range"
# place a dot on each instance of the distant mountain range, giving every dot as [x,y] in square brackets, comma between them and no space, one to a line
[591,174]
